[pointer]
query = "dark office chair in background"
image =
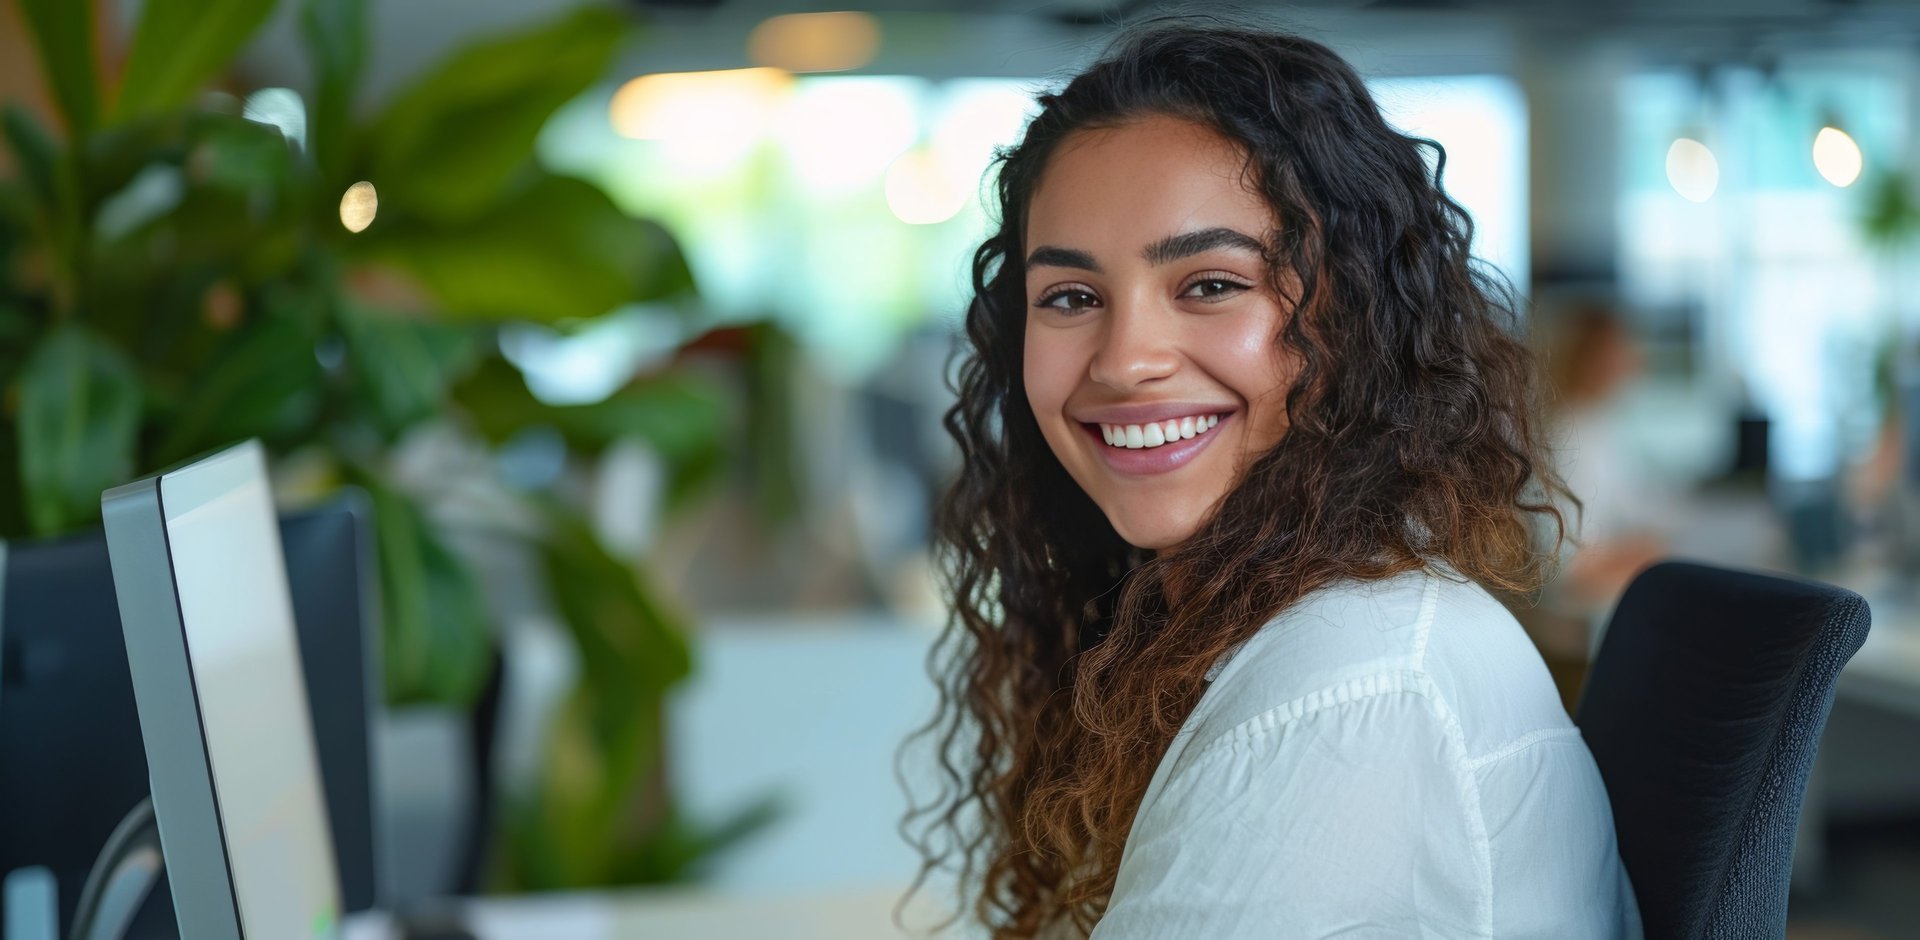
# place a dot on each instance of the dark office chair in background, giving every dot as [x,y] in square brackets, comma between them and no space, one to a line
[1703,710]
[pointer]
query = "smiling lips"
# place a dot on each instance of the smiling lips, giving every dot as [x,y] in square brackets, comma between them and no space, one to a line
[1157,433]
[1156,446]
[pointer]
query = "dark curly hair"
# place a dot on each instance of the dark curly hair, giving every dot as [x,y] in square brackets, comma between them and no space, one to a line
[1412,438]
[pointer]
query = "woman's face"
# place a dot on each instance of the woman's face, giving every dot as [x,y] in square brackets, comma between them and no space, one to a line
[1152,363]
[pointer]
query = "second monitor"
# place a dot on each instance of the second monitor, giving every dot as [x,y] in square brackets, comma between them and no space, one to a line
[215,662]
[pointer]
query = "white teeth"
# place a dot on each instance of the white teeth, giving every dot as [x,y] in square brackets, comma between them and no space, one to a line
[1137,436]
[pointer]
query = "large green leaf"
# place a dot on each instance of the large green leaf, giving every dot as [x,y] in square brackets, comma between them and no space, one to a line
[568,832]
[46,200]
[16,236]
[551,845]
[448,143]
[438,640]
[556,249]
[13,511]
[404,365]
[114,155]
[178,46]
[263,382]
[684,417]
[63,34]
[1891,215]
[79,413]
[633,645]
[238,154]
[215,196]
[606,742]
[772,447]
[16,217]
[17,328]
[336,37]
[36,157]
[676,849]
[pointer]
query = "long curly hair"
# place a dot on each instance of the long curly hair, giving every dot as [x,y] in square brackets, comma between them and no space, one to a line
[1412,437]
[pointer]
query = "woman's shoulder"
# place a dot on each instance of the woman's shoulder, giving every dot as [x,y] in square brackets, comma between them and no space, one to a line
[1342,631]
[1371,730]
[1430,632]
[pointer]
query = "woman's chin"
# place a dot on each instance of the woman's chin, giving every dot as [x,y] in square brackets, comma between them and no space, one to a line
[1153,531]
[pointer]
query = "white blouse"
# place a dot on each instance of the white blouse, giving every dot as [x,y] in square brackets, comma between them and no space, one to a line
[1382,759]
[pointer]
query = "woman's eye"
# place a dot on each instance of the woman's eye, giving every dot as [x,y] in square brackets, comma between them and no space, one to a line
[1080,300]
[1213,288]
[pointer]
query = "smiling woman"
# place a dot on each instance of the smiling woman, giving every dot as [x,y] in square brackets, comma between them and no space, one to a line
[1248,447]
[1150,310]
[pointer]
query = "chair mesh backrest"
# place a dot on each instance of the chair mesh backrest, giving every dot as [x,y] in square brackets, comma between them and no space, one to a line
[1703,711]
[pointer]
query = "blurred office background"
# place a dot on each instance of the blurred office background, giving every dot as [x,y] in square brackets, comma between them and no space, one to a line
[634,320]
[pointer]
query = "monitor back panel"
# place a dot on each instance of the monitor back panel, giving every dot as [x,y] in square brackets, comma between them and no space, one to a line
[71,759]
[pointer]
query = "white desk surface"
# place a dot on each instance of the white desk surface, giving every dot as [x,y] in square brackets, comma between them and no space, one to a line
[1886,670]
[697,914]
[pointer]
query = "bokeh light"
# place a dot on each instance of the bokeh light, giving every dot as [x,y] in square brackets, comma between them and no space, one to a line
[815,42]
[707,121]
[921,189]
[840,134]
[1692,170]
[978,117]
[282,108]
[1836,156]
[358,206]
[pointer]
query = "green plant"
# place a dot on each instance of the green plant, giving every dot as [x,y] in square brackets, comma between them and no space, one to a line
[1889,217]
[175,276]
[1889,220]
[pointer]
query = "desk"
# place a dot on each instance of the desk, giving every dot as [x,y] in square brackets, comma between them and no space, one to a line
[1867,767]
[1886,671]
[670,913]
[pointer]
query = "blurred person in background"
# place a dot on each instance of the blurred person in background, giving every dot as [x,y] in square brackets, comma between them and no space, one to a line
[1592,357]
[1246,446]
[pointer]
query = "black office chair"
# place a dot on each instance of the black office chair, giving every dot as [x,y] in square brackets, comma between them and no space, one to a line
[1703,710]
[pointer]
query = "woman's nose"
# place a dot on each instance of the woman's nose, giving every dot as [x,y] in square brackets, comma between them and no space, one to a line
[1137,345]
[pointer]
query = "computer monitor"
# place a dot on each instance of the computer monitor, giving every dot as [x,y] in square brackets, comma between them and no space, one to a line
[329,552]
[71,760]
[215,662]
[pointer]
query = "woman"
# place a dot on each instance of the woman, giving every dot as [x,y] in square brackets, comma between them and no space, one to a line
[1592,357]
[1246,444]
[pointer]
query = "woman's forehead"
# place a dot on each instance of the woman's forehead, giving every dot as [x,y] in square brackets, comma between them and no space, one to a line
[1127,186]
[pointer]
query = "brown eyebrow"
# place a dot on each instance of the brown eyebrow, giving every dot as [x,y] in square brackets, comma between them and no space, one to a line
[1050,256]
[1175,247]
[1171,248]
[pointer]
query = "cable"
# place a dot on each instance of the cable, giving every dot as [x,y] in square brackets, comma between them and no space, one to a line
[124,872]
